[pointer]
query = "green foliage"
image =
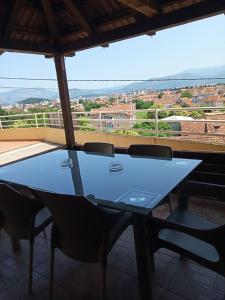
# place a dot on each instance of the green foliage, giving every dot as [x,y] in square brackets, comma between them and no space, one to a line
[3,112]
[112,100]
[89,105]
[160,95]
[184,113]
[125,132]
[196,114]
[84,124]
[140,104]
[142,115]
[163,114]
[20,124]
[151,127]
[42,109]
[32,100]
[186,94]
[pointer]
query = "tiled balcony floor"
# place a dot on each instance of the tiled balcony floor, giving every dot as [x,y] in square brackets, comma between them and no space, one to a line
[174,278]
[6,146]
[14,150]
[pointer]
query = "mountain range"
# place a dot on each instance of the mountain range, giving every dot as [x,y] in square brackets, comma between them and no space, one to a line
[179,80]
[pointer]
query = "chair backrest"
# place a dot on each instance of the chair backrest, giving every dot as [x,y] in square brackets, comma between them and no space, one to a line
[208,191]
[79,227]
[160,151]
[195,189]
[104,148]
[216,235]
[17,212]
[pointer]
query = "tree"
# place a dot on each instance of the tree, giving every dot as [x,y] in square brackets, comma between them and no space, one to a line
[125,132]
[160,95]
[89,105]
[186,94]
[42,109]
[84,124]
[20,124]
[3,112]
[112,100]
[197,114]
[150,128]
[142,115]
[140,104]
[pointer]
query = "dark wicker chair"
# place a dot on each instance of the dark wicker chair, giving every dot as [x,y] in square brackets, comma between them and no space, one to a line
[157,151]
[22,217]
[81,230]
[1,223]
[104,148]
[189,234]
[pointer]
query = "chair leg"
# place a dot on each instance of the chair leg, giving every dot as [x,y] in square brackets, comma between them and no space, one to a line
[31,266]
[152,253]
[52,257]
[15,244]
[170,206]
[104,273]
[44,234]
[152,262]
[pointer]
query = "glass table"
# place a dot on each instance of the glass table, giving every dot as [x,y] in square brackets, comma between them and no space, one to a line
[130,183]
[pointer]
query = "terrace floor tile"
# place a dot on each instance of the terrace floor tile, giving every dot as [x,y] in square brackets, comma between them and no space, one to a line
[175,278]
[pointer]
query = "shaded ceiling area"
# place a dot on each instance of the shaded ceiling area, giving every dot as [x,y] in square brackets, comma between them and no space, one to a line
[65,26]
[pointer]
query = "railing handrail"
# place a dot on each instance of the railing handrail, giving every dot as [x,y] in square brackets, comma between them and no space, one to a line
[203,108]
[102,124]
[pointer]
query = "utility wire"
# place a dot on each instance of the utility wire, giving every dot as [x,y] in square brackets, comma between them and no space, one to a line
[113,80]
[29,88]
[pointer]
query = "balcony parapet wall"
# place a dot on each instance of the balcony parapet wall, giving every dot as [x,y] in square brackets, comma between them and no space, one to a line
[55,135]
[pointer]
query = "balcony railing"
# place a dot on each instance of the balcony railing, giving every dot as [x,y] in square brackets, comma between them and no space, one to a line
[208,122]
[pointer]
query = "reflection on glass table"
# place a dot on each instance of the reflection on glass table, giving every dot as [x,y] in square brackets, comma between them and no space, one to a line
[139,198]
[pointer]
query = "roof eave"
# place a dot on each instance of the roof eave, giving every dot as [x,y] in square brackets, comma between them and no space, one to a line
[185,15]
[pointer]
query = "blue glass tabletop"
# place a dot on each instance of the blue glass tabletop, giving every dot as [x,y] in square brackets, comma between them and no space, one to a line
[135,184]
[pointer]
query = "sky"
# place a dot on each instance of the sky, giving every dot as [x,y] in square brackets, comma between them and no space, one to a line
[195,45]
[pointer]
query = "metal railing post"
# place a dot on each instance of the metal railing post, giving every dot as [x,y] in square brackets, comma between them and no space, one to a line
[44,119]
[74,119]
[100,120]
[36,120]
[156,123]
[59,119]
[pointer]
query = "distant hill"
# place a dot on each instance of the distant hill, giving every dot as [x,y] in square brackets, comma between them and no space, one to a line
[32,100]
[196,74]
[17,95]
[166,82]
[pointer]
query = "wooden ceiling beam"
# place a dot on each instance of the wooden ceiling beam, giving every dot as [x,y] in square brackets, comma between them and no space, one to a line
[13,16]
[78,16]
[146,7]
[50,20]
[26,47]
[116,17]
[188,14]
[175,4]
[31,32]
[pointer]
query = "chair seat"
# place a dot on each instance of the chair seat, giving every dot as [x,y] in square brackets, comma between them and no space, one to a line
[190,244]
[190,219]
[187,242]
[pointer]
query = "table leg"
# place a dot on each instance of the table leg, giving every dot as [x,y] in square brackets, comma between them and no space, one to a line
[142,256]
[15,244]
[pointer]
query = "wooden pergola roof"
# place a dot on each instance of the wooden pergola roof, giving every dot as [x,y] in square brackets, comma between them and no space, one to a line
[58,28]
[65,26]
